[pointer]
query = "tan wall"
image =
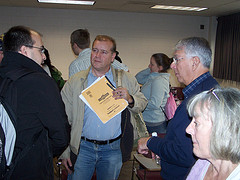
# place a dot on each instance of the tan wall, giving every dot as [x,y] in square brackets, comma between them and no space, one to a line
[138,35]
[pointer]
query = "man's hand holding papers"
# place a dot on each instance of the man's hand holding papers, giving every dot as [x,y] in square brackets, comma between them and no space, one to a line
[104,99]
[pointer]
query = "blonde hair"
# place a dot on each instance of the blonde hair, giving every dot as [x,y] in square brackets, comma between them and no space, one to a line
[223,106]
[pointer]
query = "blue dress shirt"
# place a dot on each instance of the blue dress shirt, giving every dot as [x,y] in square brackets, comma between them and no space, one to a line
[93,127]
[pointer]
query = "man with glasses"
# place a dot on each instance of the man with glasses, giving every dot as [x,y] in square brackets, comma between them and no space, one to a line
[192,59]
[42,126]
[97,145]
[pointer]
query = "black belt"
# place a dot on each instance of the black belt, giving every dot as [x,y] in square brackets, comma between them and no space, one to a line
[101,142]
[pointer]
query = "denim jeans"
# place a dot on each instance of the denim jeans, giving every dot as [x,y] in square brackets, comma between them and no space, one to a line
[106,159]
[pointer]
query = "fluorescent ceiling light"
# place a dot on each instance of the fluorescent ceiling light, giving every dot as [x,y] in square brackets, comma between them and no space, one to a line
[179,8]
[67,2]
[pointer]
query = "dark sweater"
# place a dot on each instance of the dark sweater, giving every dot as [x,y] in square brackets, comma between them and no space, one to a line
[176,149]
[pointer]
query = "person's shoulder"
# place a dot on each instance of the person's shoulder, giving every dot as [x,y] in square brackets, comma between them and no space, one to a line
[116,64]
[127,74]
[210,82]
[160,76]
[79,75]
[86,51]
[76,81]
[39,77]
[85,54]
[76,61]
[211,79]
[198,169]
[82,61]
[39,81]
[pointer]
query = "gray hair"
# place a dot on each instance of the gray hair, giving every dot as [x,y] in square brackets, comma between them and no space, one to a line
[196,46]
[223,107]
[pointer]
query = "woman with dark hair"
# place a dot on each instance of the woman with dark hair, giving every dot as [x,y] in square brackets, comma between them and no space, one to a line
[155,81]
[53,71]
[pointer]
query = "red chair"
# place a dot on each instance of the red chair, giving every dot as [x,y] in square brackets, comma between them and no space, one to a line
[148,175]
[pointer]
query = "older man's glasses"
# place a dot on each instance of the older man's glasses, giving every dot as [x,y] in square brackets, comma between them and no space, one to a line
[177,60]
[213,93]
[42,49]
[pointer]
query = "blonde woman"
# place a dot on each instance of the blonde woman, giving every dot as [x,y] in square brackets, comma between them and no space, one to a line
[215,132]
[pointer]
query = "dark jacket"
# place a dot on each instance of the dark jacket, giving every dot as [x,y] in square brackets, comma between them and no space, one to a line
[41,118]
[127,135]
[176,149]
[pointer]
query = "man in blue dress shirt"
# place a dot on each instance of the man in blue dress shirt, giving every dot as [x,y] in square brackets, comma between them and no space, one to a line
[97,145]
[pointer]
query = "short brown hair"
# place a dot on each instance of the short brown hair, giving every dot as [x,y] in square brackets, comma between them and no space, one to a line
[81,37]
[107,38]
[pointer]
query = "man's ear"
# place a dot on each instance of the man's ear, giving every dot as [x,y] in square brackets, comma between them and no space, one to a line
[76,49]
[195,62]
[75,45]
[23,50]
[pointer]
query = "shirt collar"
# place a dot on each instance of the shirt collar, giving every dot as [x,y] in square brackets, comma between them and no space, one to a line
[108,74]
[92,77]
[188,90]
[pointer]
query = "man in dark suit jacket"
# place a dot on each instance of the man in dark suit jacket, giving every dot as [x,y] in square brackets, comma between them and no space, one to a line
[192,59]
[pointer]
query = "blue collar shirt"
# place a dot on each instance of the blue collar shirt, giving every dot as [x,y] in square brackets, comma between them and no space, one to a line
[188,90]
[93,127]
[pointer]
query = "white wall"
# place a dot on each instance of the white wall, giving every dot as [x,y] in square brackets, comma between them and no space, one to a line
[138,35]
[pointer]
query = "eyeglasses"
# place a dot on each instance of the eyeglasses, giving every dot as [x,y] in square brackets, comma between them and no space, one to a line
[176,60]
[42,49]
[212,91]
